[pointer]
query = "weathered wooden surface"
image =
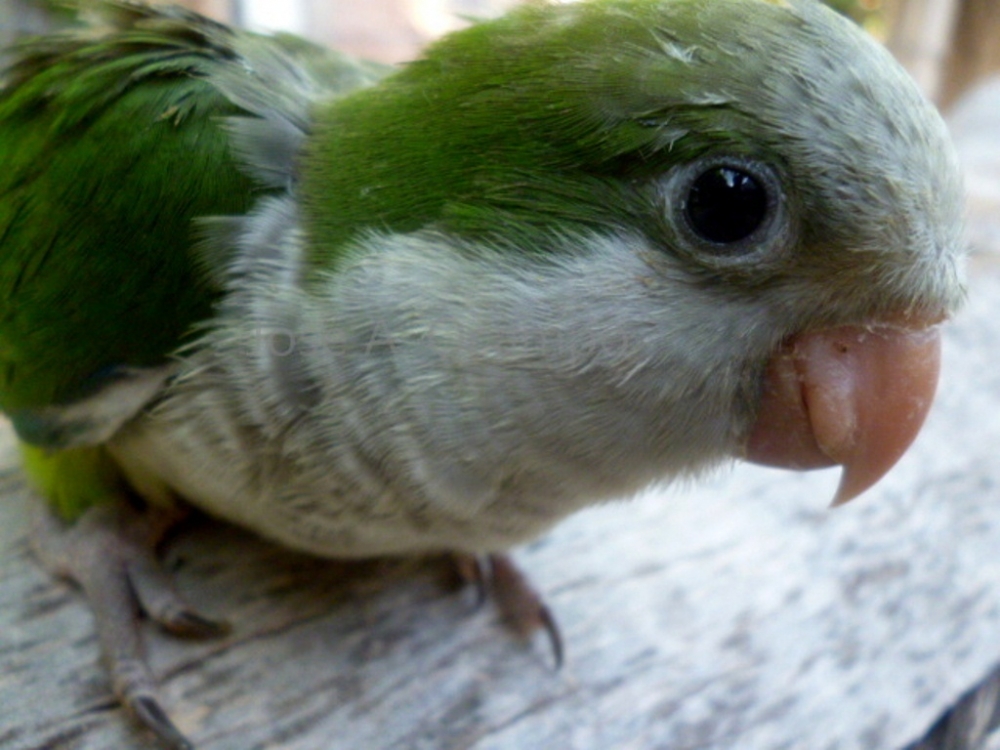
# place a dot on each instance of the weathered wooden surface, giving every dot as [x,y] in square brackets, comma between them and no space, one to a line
[740,613]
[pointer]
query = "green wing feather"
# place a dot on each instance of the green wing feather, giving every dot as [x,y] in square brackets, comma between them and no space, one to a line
[112,143]
[110,147]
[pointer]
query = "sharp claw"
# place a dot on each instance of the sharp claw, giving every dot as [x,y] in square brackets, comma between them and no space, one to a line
[150,713]
[521,605]
[555,636]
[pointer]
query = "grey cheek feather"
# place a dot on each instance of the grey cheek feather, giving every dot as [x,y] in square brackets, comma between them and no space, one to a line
[458,397]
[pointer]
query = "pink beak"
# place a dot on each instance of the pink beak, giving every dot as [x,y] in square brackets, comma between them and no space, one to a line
[854,396]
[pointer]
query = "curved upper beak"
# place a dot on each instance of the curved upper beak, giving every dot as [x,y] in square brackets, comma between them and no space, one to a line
[854,396]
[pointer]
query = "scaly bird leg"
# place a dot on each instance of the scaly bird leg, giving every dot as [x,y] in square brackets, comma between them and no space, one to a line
[111,553]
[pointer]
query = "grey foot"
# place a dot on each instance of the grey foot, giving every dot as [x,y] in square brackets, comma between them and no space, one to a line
[111,553]
[519,603]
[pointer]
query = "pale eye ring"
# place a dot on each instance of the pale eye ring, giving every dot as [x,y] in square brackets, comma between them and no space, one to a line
[726,210]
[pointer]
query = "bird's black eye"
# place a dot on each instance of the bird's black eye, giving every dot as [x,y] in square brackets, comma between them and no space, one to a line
[726,204]
[727,211]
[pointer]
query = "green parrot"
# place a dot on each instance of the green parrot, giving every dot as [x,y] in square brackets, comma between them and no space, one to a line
[364,311]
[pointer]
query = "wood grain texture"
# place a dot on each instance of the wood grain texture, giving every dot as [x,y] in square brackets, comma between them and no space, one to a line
[736,613]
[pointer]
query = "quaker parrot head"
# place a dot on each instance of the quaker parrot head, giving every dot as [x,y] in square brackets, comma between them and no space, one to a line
[816,186]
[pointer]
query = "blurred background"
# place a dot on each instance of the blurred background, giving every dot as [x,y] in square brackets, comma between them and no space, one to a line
[948,45]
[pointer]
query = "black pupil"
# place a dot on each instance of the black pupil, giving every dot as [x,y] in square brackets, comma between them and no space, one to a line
[726,205]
